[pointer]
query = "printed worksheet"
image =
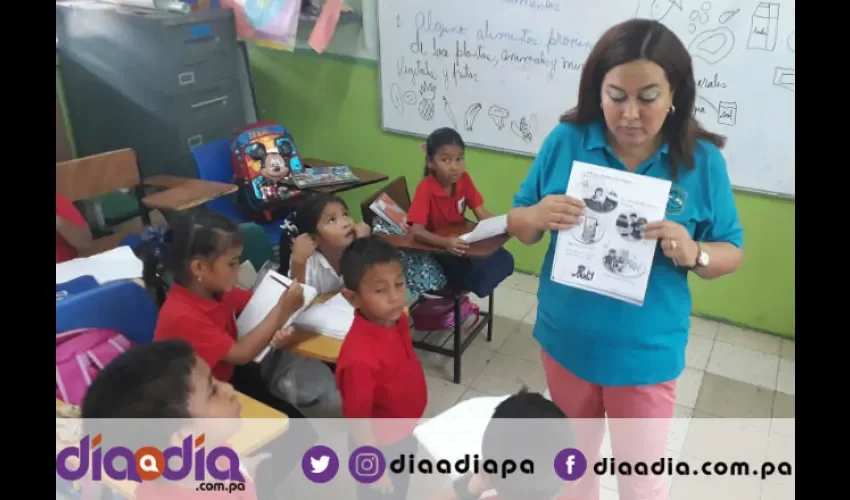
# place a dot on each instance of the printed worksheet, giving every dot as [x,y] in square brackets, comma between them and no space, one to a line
[606,252]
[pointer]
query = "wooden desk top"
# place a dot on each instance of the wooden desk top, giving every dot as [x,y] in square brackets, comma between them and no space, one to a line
[248,440]
[367,177]
[480,249]
[183,193]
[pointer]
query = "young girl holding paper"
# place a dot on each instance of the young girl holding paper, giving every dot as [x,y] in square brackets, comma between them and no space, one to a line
[200,253]
[441,200]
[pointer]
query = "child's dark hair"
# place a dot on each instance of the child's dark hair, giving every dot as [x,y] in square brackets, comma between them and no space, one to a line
[362,255]
[305,220]
[148,381]
[199,233]
[445,136]
[507,438]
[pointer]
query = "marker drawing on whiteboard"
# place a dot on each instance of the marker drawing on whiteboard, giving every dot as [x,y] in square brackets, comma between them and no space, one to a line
[499,115]
[712,46]
[784,77]
[525,128]
[727,113]
[471,115]
[726,16]
[428,91]
[792,39]
[660,8]
[409,97]
[449,112]
[395,97]
[764,27]
[700,16]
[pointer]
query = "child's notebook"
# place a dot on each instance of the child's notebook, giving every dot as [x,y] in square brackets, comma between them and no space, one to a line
[332,318]
[265,297]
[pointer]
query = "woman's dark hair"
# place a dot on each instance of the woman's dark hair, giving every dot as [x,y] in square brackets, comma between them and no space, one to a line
[305,220]
[643,39]
[441,137]
[200,233]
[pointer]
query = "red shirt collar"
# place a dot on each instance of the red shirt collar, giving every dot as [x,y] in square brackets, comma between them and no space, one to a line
[193,299]
[437,189]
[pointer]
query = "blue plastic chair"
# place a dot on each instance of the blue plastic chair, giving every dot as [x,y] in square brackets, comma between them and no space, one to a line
[213,163]
[75,286]
[123,306]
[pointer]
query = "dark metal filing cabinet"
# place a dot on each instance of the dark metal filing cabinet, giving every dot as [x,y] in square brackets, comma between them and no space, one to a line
[155,81]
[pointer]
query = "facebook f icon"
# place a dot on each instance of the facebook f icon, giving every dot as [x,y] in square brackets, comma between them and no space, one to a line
[570,464]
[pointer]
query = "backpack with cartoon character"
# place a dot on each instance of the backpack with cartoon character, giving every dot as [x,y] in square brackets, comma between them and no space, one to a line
[264,158]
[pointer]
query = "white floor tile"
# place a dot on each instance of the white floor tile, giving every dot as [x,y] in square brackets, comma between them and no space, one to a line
[786,380]
[523,282]
[509,303]
[744,365]
[704,327]
[687,387]
[699,350]
[749,339]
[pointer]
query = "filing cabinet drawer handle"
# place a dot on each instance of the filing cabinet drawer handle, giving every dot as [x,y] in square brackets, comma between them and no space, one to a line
[222,99]
[195,140]
[186,78]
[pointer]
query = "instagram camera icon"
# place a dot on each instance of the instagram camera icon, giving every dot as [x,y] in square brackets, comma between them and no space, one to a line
[367,464]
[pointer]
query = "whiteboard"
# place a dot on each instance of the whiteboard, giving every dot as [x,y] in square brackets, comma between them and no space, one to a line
[501,72]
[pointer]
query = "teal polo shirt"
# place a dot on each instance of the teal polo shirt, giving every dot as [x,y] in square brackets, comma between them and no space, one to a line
[603,340]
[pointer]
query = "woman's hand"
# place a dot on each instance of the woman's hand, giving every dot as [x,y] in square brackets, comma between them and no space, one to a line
[676,242]
[457,246]
[302,248]
[557,212]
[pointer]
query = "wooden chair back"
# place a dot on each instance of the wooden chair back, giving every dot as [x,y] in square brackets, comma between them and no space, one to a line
[98,174]
[396,190]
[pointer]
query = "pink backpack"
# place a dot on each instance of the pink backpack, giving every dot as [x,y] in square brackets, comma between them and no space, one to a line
[80,355]
[439,314]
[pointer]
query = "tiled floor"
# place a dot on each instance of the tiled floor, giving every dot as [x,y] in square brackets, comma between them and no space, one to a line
[731,372]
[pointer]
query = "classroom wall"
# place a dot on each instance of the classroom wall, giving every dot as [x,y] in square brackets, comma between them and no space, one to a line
[332,107]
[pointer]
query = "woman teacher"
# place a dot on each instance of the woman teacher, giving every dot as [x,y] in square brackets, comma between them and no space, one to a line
[600,355]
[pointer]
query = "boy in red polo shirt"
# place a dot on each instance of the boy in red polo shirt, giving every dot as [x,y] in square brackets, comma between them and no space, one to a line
[378,373]
[72,231]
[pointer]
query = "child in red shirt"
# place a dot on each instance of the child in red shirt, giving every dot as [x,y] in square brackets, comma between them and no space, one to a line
[200,253]
[441,200]
[378,373]
[162,380]
[72,231]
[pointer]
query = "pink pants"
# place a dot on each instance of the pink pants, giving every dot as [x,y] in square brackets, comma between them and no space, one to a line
[632,440]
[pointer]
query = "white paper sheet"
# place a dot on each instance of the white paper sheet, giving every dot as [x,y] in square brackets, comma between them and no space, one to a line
[606,252]
[332,318]
[264,299]
[488,228]
[459,430]
[116,264]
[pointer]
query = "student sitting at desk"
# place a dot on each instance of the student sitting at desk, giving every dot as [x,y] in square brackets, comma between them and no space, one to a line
[313,239]
[201,253]
[163,380]
[441,200]
[378,373]
[508,437]
[73,235]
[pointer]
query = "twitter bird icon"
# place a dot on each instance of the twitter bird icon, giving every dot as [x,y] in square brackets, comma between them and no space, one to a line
[320,464]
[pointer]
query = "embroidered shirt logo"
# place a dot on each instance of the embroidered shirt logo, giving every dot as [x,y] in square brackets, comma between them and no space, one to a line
[676,201]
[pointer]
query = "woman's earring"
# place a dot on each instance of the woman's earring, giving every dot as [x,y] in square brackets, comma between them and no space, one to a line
[200,279]
[672,109]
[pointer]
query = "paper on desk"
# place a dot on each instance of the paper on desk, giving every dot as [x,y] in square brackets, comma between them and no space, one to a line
[488,228]
[264,299]
[116,264]
[459,430]
[325,26]
[332,318]
[606,252]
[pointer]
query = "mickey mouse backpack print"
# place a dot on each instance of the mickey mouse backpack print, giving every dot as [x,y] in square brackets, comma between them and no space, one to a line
[264,158]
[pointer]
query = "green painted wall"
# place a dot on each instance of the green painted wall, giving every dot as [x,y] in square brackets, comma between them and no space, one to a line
[332,107]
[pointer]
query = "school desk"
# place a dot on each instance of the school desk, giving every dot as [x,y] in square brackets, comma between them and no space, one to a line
[183,193]
[480,249]
[367,177]
[247,441]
